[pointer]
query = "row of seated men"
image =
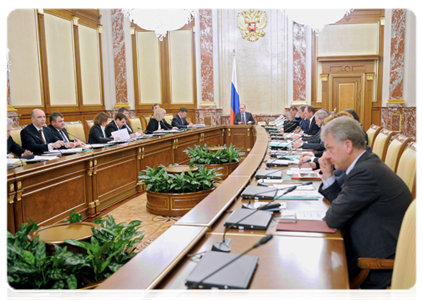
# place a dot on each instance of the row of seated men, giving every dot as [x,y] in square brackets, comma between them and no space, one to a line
[368,200]
[38,138]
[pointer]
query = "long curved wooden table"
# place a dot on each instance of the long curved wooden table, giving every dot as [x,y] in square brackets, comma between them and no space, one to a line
[291,260]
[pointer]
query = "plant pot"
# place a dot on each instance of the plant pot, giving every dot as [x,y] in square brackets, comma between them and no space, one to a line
[226,170]
[80,293]
[174,204]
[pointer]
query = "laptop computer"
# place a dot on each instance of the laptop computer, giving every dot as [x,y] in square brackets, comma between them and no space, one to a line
[277,163]
[236,275]
[259,220]
[268,174]
[259,192]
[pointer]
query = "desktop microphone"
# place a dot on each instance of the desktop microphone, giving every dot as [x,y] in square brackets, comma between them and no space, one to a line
[82,140]
[259,243]
[270,162]
[290,127]
[45,143]
[224,247]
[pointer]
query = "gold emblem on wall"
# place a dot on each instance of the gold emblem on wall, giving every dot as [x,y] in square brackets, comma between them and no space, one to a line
[252,24]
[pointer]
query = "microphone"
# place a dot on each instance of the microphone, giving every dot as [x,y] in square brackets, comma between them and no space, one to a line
[224,247]
[259,243]
[267,164]
[81,140]
[290,127]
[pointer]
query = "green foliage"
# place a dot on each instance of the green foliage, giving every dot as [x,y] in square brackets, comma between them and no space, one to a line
[30,267]
[200,154]
[160,181]
[110,247]
[73,217]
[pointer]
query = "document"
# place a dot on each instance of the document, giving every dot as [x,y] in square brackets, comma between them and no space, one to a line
[317,215]
[122,134]
[65,151]
[42,158]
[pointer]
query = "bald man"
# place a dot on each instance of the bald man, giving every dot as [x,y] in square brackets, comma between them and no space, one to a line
[36,137]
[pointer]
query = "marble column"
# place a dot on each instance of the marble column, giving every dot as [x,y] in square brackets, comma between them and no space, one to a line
[299,63]
[207,113]
[12,113]
[118,37]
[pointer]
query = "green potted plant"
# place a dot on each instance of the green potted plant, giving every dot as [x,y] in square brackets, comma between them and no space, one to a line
[31,266]
[224,157]
[174,191]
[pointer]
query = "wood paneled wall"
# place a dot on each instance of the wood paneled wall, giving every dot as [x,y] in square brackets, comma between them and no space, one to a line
[62,47]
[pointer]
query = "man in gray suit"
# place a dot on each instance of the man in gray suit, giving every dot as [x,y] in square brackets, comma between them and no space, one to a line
[371,203]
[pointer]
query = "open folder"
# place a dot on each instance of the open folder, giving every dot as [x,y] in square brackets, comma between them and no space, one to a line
[304,225]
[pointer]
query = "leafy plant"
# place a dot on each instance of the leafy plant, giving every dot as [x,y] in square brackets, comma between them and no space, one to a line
[160,181]
[73,217]
[110,247]
[201,154]
[29,266]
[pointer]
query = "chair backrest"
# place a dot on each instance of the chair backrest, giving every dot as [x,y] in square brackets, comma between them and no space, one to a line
[395,149]
[16,135]
[381,143]
[145,120]
[372,132]
[407,167]
[109,120]
[76,130]
[404,272]
[135,124]
[90,123]
[168,118]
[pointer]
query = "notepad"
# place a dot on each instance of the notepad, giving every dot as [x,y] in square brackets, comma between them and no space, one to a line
[305,226]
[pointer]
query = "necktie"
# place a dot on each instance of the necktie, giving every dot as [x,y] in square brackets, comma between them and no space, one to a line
[242,118]
[41,133]
[64,137]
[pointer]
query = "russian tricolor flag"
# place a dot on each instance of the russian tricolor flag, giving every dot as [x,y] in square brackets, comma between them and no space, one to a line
[234,95]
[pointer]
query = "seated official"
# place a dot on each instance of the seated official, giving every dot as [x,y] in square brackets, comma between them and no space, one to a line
[371,203]
[293,112]
[314,142]
[36,137]
[97,133]
[12,146]
[117,124]
[312,128]
[180,120]
[132,133]
[57,126]
[243,117]
[304,122]
[157,122]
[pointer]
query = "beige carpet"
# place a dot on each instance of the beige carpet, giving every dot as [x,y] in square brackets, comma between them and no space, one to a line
[152,225]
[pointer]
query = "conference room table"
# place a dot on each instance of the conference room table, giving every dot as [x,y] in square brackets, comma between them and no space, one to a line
[290,260]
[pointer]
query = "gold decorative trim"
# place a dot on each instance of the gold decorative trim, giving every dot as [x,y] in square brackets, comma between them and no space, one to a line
[95,162]
[75,21]
[132,30]
[11,187]
[298,102]
[40,11]
[100,29]
[251,24]
[90,172]
[11,108]
[193,28]
[324,77]
[91,163]
[370,77]
[207,104]
[382,21]
[395,101]
[19,185]
[122,105]
[11,199]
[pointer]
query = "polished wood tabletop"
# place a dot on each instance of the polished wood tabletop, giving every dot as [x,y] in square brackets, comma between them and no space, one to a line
[284,262]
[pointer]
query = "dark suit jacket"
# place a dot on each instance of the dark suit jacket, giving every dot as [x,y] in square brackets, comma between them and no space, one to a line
[304,124]
[370,206]
[153,125]
[32,141]
[112,126]
[314,146]
[128,127]
[248,117]
[179,122]
[58,135]
[96,136]
[313,128]
[14,147]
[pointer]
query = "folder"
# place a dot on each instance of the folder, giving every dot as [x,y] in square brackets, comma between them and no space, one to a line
[304,226]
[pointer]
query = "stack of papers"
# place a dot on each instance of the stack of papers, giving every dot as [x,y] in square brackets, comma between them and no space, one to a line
[317,215]
[65,151]
[199,125]
[15,162]
[38,158]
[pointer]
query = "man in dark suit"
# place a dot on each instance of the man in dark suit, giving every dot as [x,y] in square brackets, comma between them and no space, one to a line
[312,128]
[313,142]
[132,133]
[243,116]
[371,203]
[12,146]
[304,122]
[36,137]
[293,112]
[57,126]
[180,119]
[117,124]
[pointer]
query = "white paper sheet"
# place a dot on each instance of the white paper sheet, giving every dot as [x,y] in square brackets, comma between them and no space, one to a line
[123,134]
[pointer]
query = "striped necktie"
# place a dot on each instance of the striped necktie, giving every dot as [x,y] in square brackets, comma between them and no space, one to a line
[64,137]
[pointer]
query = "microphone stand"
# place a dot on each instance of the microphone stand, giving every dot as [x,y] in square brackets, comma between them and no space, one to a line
[261,242]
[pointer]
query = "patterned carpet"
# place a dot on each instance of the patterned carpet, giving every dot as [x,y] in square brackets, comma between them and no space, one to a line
[152,225]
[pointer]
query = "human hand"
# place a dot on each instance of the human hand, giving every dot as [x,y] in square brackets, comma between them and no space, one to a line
[326,166]
[58,144]
[70,145]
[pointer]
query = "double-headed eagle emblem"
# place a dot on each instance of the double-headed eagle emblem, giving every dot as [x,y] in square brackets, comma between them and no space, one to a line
[252,24]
